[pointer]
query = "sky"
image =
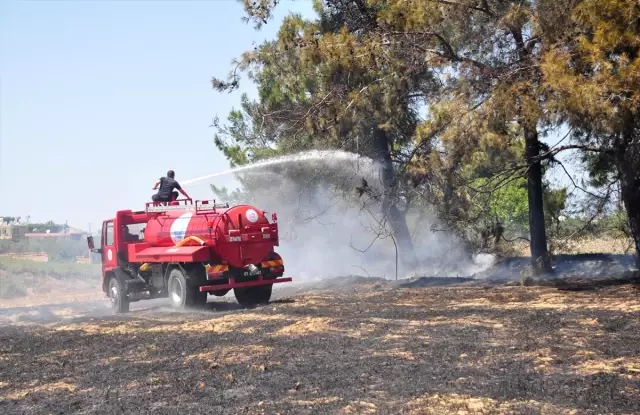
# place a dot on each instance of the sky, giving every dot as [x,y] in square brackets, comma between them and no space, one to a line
[99,99]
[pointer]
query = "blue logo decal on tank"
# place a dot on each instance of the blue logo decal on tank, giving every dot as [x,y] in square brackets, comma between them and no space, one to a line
[179,227]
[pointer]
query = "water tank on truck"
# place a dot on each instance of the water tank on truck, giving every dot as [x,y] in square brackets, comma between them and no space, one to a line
[240,235]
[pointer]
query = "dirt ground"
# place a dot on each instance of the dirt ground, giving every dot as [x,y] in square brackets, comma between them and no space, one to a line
[367,347]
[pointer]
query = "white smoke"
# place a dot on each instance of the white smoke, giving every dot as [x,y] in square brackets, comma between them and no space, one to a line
[324,233]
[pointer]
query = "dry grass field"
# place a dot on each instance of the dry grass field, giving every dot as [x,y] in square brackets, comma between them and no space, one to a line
[355,346]
[586,245]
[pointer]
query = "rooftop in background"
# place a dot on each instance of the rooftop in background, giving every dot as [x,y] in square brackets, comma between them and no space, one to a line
[54,234]
[13,229]
[69,235]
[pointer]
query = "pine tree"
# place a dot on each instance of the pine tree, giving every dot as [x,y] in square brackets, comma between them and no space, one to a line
[594,73]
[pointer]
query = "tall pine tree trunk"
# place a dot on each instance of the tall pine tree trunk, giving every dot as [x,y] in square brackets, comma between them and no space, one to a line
[396,217]
[628,161]
[630,186]
[539,252]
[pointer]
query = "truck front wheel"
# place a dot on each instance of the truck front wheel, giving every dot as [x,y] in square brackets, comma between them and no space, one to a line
[118,295]
[182,294]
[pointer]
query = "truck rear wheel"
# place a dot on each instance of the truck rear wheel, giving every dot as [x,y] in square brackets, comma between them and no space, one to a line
[118,295]
[182,294]
[249,296]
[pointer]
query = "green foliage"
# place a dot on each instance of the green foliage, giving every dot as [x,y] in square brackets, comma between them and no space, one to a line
[50,226]
[511,206]
[555,202]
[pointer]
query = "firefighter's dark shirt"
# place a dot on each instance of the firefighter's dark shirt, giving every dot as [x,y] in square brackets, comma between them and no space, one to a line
[166,187]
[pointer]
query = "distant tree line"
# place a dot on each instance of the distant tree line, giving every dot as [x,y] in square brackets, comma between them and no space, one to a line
[36,227]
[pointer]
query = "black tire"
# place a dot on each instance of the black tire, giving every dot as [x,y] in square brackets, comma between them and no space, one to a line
[199,299]
[183,294]
[118,295]
[250,296]
[196,277]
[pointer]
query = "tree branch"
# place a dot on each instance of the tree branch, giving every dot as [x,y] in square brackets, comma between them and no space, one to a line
[560,149]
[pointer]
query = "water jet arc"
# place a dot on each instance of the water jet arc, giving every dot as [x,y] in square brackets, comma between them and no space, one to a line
[332,155]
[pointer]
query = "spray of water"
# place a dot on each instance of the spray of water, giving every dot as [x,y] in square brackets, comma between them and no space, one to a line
[332,155]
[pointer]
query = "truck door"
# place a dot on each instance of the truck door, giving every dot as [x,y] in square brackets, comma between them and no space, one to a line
[109,258]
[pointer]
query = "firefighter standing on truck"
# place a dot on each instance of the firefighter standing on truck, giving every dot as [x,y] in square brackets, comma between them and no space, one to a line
[167,184]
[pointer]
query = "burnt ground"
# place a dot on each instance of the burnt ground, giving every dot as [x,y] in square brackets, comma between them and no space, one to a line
[345,347]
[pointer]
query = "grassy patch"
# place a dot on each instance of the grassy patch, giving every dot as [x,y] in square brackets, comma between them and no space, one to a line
[18,275]
[52,269]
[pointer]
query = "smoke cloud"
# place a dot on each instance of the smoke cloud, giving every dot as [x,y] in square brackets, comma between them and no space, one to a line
[327,230]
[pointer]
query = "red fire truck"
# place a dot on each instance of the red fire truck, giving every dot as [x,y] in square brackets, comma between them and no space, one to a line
[184,250]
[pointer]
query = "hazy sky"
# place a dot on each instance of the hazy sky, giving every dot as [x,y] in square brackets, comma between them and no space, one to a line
[100,98]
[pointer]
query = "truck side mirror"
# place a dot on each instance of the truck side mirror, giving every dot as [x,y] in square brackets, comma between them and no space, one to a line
[92,247]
